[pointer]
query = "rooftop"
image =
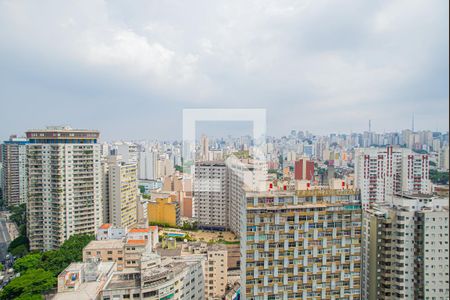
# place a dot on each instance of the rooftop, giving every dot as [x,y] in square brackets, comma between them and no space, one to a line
[106,244]
[137,242]
[106,226]
[140,230]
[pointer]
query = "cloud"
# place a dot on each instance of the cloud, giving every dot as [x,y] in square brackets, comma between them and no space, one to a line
[321,65]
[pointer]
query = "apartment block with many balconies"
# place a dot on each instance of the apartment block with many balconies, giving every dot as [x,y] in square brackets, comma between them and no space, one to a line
[405,249]
[64,185]
[14,181]
[301,245]
[123,192]
[383,172]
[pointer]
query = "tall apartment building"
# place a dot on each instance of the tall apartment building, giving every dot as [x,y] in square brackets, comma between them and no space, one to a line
[64,185]
[301,245]
[406,249]
[148,163]
[204,148]
[14,180]
[250,175]
[219,190]
[211,195]
[444,159]
[123,192]
[383,172]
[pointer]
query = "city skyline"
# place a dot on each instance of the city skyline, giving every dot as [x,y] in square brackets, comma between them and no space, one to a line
[127,69]
[215,134]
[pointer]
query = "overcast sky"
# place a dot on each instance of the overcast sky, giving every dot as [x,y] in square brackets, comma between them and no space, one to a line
[129,68]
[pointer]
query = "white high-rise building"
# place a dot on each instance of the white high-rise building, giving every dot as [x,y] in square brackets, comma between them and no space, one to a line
[13,178]
[382,172]
[405,249]
[243,176]
[64,185]
[211,195]
[128,151]
[219,191]
[148,163]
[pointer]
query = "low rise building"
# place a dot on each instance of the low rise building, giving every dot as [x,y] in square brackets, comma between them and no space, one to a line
[164,211]
[110,232]
[125,250]
[153,278]
[84,281]
[158,278]
[105,251]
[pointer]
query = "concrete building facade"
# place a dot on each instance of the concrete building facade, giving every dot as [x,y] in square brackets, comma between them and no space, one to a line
[13,179]
[301,245]
[211,195]
[383,172]
[123,192]
[406,249]
[64,185]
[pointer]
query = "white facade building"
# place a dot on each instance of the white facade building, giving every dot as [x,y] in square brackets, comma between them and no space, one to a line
[211,195]
[382,172]
[128,151]
[148,163]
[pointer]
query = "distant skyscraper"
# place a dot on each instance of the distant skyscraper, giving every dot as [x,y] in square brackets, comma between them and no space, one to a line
[406,249]
[204,148]
[65,185]
[14,181]
[444,158]
[148,163]
[128,151]
[382,172]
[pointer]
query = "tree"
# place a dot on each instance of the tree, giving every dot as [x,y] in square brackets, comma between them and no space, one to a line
[39,270]
[19,251]
[439,177]
[31,285]
[71,251]
[19,241]
[28,262]
[1,267]
[18,214]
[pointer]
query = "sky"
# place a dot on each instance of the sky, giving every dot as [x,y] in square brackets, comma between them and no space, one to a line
[129,68]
